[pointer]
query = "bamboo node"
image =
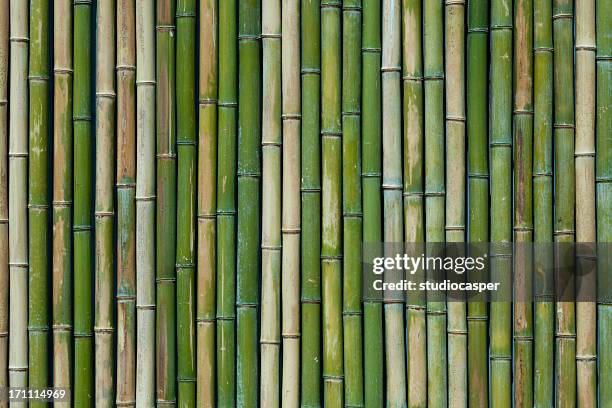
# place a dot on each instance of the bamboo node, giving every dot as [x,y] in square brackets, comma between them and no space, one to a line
[290,335]
[270,36]
[270,342]
[291,116]
[3,221]
[125,298]
[563,126]
[586,47]
[184,265]
[185,14]
[83,2]
[126,67]
[82,335]
[501,27]
[542,174]
[165,280]
[23,265]
[166,156]
[125,403]
[18,369]
[603,179]
[145,307]
[414,78]
[18,155]
[454,228]
[145,198]
[525,338]
[291,231]
[391,186]
[146,82]
[81,118]
[125,185]
[3,334]
[207,101]
[3,102]
[247,305]
[455,3]
[248,174]
[351,113]
[249,37]
[569,336]
[435,193]
[436,312]
[207,216]
[171,403]
[60,71]
[271,247]
[350,214]
[476,318]
[17,39]
[416,308]
[523,112]
[352,8]
[227,104]
[500,144]
[103,214]
[310,301]
[311,71]
[331,134]
[373,174]
[478,175]
[331,258]
[390,69]
[584,154]
[392,301]
[186,143]
[62,328]
[525,228]
[38,78]
[331,5]
[205,320]
[408,194]
[165,27]
[457,332]
[81,228]
[603,58]
[333,378]
[352,313]
[226,318]
[104,330]
[586,357]
[310,189]
[226,213]
[460,119]
[564,232]
[559,16]
[107,95]
[483,30]
[371,49]
[269,143]
[543,49]
[433,77]
[500,358]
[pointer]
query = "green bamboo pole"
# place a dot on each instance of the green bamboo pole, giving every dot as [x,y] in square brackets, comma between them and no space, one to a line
[249,174]
[586,311]
[392,196]
[433,75]
[500,157]
[454,59]
[145,203]
[17,197]
[478,191]
[604,189]
[271,240]
[523,200]
[62,196]
[186,201]
[331,192]
[565,356]
[4,270]
[82,217]
[311,204]
[371,184]
[414,231]
[543,204]
[226,207]
[166,204]
[104,203]
[38,199]
[351,204]
[207,204]
[291,215]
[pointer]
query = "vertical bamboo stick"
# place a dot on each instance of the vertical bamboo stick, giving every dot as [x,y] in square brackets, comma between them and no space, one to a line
[62,196]
[500,153]
[331,164]
[4,259]
[523,199]
[543,203]
[392,195]
[414,214]
[454,59]
[352,209]
[433,42]
[82,218]
[478,191]
[371,183]
[311,204]
[145,203]
[586,311]
[38,199]
[604,189]
[166,203]
[249,174]
[565,363]
[186,201]
[17,200]
[207,203]
[270,337]
[291,216]
[104,203]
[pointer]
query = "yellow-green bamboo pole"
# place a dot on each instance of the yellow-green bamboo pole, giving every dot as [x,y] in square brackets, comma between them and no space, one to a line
[586,309]
[207,204]
[104,203]
[18,197]
[4,271]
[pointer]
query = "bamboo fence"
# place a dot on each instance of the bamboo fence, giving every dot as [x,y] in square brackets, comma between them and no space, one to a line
[187,189]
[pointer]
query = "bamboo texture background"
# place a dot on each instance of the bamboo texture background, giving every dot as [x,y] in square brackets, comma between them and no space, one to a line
[185,186]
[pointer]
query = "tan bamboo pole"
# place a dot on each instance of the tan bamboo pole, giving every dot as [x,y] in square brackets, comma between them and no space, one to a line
[104,203]
[62,196]
[586,308]
[207,205]
[18,197]
[291,203]
[4,273]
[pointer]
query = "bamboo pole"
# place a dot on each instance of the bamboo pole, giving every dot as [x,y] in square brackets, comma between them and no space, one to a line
[271,240]
[331,192]
[166,204]
[82,217]
[543,204]
[500,153]
[414,232]
[523,199]
[186,201]
[565,356]
[586,309]
[392,195]
[126,204]
[311,204]
[454,58]
[478,192]
[291,215]
[38,199]
[62,196]
[17,200]
[371,184]
[104,203]
[145,204]
[207,204]
[352,209]
[604,190]
[249,174]
[4,252]
[433,75]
